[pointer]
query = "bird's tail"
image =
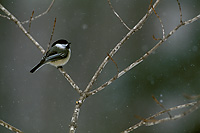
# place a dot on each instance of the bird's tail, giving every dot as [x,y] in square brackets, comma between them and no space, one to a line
[35,68]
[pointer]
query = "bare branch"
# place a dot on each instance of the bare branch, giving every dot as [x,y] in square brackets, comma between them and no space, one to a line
[118,46]
[112,79]
[195,97]
[29,27]
[51,35]
[117,15]
[70,80]
[40,15]
[157,39]
[3,16]
[13,18]
[161,105]
[161,23]
[73,125]
[150,5]
[179,5]
[113,62]
[152,121]
[193,108]
[192,20]
[10,127]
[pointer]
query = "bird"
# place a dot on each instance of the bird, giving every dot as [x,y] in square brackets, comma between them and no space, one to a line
[58,55]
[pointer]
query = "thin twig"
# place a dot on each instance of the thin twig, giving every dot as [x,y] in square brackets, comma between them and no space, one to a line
[113,62]
[161,23]
[137,27]
[10,127]
[192,20]
[4,16]
[150,5]
[161,105]
[157,39]
[191,97]
[70,80]
[193,108]
[40,15]
[152,121]
[29,27]
[179,5]
[117,15]
[51,35]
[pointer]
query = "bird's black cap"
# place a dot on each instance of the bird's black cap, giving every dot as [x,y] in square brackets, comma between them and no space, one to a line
[61,41]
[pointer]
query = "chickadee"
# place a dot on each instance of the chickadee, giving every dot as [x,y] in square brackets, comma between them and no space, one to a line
[58,55]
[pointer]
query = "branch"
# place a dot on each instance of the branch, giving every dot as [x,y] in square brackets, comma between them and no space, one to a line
[117,15]
[10,127]
[3,16]
[54,24]
[161,23]
[32,18]
[76,113]
[179,5]
[144,56]
[113,62]
[73,84]
[191,97]
[13,18]
[191,20]
[152,121]
[161,106]
[40,15]
[29,27]
[137,27]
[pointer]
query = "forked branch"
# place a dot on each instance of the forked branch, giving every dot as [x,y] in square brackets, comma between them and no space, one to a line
[40,15]
[32,18]
[86,92]
[144,56]
[137,27]
[153,121]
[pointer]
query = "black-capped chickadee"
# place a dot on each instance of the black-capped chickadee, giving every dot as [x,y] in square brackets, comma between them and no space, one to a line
[58,55]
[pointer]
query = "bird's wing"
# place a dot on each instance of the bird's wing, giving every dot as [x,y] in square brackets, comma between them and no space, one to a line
[55,54]
[54,57]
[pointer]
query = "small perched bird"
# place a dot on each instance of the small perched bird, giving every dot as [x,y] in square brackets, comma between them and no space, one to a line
[58,55]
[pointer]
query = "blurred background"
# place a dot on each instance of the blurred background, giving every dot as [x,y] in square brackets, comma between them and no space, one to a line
[43,102]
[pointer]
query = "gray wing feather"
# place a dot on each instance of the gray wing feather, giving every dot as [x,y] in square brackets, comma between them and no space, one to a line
[55,54]
[54,57]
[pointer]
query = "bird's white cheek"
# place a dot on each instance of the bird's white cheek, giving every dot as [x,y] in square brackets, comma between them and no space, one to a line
[60,46]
